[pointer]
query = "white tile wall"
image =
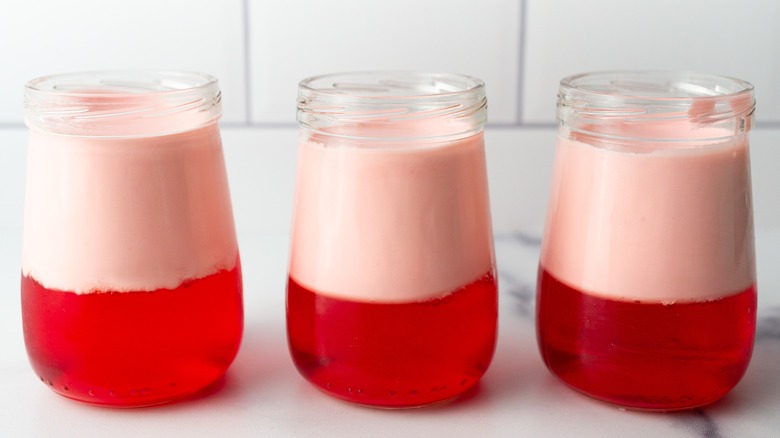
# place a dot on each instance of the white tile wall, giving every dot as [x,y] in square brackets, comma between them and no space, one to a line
[41,37]
[764,159]
[294,39]
[735,38]
[260,49]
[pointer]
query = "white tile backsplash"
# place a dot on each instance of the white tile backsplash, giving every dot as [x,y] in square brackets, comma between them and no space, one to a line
[43,37]
[564,37]
[766,180]
[294,39]
[519,165]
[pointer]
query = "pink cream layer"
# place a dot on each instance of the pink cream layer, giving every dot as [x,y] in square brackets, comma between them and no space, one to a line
[659,223]
[126,214]
[391,223]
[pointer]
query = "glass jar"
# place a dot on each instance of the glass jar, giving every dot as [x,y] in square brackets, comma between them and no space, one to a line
[391,300]
[647,283]
[131,280]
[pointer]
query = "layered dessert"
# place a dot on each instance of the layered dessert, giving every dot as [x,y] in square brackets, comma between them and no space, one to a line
[131,281]
[392,291]
[647,291]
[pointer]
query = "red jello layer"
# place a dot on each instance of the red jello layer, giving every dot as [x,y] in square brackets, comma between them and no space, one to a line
[133,348]
[398,354]
[645,355]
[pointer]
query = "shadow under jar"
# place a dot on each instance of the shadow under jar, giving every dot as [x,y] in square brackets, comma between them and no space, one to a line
[647,284]
[392,300]
[131,280]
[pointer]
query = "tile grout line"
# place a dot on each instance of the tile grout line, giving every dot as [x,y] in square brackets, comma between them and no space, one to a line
[521,63]
[247,66]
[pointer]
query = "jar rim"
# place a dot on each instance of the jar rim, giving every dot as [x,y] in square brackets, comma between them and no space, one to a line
[122,103]
[392,105]
[642,105]
[387,86]
[655,85]
[121,82]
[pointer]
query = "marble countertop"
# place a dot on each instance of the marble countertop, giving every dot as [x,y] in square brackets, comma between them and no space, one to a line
[263,395]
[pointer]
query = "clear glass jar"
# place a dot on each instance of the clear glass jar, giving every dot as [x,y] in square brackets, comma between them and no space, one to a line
[131,279]
[647,284]
[391,300]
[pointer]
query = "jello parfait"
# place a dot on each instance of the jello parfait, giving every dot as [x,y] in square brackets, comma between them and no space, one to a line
[131,281]
[647,284]
[391,300]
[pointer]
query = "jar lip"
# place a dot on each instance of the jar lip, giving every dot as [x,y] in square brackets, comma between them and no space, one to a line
[120,83]
[666,86]
[388,104]
[122,103]
[391,86]
[655,106]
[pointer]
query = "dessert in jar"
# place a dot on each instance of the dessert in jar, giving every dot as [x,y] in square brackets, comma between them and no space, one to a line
[131,279]
[647,284]
[391,300]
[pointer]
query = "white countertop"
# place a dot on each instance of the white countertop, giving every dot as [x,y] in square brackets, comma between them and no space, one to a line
[263,395]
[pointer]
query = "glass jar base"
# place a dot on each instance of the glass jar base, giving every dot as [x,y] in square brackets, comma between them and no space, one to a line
[396,401]
[623,402]
[137,399]
[645,356]
[359,352]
